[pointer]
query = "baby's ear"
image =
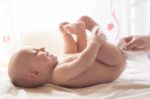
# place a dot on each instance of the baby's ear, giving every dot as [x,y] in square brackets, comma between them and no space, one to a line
[33,74]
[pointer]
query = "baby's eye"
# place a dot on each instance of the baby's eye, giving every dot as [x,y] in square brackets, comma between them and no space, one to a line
[35,51]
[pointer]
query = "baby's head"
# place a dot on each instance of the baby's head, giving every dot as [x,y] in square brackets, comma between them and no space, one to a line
[30,67]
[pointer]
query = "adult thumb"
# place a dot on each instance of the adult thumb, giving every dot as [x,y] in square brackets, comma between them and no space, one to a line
[130,45]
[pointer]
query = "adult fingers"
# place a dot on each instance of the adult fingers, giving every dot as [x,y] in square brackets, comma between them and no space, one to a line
[128,39]
[139,49]
[130,45]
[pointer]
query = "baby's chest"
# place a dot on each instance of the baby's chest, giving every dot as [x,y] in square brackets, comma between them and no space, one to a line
[67,58]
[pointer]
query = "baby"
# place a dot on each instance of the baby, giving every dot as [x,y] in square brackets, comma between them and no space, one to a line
[85,62]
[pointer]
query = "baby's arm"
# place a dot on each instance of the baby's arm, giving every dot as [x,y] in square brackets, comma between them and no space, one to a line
[70,70]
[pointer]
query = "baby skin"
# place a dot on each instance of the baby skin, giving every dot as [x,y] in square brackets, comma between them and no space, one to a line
[85,63]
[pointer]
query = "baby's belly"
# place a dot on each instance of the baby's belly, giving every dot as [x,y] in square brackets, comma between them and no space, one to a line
[96,74]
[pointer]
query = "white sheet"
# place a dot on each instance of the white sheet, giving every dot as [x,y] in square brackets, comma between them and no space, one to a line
[134,83]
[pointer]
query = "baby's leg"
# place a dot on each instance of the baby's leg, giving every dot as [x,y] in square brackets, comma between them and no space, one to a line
[108,53]
[78,29]
[70,45]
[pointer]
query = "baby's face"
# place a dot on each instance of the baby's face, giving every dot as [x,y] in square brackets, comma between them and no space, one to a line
[32,66]
[41,60]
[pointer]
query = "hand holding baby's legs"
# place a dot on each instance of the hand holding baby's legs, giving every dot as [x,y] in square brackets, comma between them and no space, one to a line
[96,31]
[98,36]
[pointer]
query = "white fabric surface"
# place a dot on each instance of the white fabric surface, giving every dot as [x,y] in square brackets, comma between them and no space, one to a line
[134,83]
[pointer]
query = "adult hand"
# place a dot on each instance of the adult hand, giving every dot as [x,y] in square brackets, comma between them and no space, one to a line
[137,43]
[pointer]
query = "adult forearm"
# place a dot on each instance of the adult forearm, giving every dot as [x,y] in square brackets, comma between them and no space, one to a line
[148,37]
[148,42]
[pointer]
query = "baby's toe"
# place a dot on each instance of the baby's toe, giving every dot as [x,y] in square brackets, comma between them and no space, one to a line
[61,26]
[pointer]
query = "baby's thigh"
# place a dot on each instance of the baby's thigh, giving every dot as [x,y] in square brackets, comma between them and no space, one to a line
[107,72]
[110,54]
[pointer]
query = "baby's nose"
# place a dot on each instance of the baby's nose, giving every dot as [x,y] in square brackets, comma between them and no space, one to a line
[42,49]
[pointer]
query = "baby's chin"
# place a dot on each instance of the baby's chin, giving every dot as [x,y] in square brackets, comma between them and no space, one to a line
[54,58]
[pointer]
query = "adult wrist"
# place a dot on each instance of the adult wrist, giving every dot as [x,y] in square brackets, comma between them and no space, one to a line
[148,36]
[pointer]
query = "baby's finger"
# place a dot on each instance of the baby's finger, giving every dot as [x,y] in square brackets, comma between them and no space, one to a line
[101,36]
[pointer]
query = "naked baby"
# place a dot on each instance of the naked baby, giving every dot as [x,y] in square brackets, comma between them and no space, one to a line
[85,62]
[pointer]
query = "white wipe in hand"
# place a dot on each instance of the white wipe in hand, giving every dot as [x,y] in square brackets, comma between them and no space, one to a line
[131,55]
[122,45]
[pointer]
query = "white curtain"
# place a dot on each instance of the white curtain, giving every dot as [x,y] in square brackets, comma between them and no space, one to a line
[141,19]
[35,22]
[45,15]
[8,38]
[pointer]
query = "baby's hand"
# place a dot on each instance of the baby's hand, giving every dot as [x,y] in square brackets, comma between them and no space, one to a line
[98,36]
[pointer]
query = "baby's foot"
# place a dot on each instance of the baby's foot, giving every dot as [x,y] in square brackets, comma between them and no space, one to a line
[62,26]
[75,28]
[89,22]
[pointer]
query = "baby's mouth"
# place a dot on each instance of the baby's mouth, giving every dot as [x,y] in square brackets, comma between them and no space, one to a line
[50,55]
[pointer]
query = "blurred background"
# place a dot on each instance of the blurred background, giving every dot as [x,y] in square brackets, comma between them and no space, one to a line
[35,22]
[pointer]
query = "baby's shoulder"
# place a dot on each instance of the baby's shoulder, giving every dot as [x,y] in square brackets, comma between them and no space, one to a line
[62,56]
[69,55]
